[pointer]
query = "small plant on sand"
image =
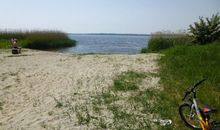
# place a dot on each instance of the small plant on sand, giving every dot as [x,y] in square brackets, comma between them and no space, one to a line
[82,114]
[1,105]
[59,103]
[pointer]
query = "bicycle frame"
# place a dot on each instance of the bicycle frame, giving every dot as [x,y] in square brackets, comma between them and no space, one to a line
[203,121]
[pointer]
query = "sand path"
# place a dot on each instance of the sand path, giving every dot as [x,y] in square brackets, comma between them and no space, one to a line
[31,83]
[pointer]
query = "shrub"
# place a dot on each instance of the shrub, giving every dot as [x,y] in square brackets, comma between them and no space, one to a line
[166,40]
[157,43]
[47,40]
[144,50]
[206,30]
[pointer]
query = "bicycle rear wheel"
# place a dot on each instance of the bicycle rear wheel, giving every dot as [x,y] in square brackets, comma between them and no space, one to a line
[216,125]
[189,116]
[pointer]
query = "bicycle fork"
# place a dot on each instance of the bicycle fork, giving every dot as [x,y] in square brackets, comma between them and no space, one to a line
[204,123]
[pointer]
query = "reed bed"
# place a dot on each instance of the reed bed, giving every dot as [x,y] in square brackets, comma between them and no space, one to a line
[160,41]
[37,39]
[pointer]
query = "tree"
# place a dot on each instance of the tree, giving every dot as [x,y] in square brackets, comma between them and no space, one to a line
[206,30]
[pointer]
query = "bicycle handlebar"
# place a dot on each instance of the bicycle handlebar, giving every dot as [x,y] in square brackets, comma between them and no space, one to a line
[198,83]
[192,88]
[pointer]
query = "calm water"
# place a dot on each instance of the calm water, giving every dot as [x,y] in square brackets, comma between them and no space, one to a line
[113,44]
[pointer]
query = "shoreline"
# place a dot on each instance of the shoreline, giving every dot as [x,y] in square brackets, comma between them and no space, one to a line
[69,53]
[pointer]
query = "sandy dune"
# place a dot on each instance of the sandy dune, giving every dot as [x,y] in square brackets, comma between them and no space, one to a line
[33,82]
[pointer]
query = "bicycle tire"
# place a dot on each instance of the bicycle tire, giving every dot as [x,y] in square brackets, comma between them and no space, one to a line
[193,125]
[216,125]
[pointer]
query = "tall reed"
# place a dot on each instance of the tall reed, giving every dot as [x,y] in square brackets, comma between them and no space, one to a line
[37,39]
[164,40]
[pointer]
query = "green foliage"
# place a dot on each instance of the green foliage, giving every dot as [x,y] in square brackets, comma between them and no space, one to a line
[4,44]
[157,43]
[128,81]
[180,68]
[105,98]
[124,120]
[59,103]
[146,98]
[144,50]
[83,115]
[165,41]
[8,35]
[206,30]
[37,39]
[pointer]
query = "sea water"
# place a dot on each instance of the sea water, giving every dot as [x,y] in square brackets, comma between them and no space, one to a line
[108,44]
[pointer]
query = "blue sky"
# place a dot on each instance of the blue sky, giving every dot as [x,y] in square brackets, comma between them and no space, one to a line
[104,16]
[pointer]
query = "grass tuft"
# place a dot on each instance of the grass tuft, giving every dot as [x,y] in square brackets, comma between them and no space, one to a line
[128,81]
[1,105]
[59,103]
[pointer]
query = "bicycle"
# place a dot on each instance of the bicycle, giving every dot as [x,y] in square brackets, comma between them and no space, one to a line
[193,116]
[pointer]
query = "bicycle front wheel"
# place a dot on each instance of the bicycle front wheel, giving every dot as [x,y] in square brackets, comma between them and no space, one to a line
[189,116]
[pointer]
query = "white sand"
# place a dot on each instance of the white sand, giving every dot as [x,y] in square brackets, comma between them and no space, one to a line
[29,83]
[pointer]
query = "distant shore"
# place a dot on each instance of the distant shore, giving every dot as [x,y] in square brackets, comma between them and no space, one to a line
[121,34]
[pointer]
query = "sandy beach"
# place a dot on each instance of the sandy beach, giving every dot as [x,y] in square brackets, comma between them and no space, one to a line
[33,82]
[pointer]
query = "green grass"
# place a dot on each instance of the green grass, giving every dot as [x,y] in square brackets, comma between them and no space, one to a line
[83,115]
[4,44]
[37,39]
[146,100]
[128,81]
[128,120]
[180,68]
[105,98]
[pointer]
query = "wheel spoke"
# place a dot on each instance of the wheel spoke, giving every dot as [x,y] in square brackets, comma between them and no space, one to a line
[189,116]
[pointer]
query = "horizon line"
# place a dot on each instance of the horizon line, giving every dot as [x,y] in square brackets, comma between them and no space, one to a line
[127,34]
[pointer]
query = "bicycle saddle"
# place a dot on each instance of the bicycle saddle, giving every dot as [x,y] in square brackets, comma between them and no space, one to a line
[207,109]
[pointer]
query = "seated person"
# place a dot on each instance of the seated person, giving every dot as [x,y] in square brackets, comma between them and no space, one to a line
[15,45]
